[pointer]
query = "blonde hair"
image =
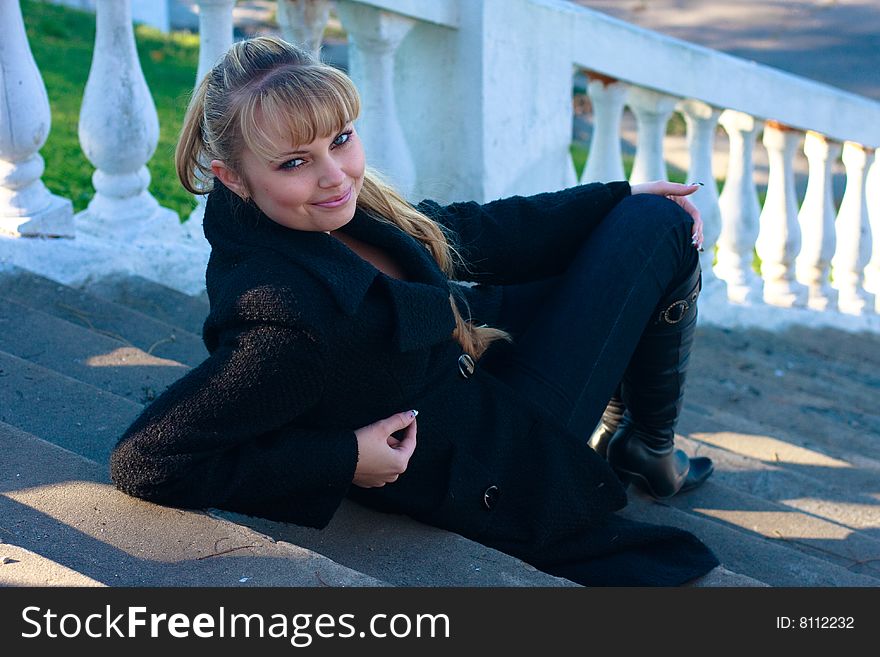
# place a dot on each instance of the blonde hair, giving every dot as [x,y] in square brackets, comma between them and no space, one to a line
[270,79]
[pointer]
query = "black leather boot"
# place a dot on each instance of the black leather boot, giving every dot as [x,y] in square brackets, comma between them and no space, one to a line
[642,448]
[608,425]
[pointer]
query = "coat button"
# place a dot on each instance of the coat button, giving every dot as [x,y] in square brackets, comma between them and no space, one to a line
[466,365]
[490,497]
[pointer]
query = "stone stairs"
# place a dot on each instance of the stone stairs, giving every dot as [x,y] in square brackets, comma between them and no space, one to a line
[791,420]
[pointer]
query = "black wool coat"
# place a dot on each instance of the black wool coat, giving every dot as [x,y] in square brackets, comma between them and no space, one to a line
[309,342]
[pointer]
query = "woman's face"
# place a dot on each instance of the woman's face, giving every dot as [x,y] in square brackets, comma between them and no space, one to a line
[311,187]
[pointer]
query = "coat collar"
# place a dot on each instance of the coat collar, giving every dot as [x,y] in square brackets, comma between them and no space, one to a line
[239,230]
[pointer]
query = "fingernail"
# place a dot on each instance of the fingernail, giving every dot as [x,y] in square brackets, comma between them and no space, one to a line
[696,183]
[413,413]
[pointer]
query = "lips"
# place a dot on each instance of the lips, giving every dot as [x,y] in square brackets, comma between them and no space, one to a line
[336,201]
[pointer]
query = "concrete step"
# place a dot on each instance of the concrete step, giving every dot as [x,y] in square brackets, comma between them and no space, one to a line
[786,383]
[101,316]
[62,410]
[821,496]
[67,514]
[403,552]
[787,449]
[21,567]
[818,537]
[157,301]
[82,354]
[741,552]
[65,525]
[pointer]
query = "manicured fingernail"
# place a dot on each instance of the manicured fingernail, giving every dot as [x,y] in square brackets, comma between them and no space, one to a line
[696,183]
[413,412]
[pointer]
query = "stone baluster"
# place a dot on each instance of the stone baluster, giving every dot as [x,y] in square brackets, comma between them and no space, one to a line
[119,131]
[303,21]
[652,110]
[739,207]
[215,33]
[872,196]
[853,234]
[702,122]
[779,238]
[215,37]
[374,36]
[26,206]
[605,160]
[816,219]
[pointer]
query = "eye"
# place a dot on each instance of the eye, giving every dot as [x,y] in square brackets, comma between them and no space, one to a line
[342,139]
[292,164]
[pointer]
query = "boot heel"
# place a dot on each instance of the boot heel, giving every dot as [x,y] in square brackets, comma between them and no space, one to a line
[641,482]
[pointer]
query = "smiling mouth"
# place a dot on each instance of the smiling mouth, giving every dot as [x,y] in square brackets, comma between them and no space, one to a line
[335,202]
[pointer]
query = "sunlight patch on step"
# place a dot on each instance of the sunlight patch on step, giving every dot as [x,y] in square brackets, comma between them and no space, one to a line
[857,516]
[21,567]
[141,529]
[768,449]
[130,357]
[780,524]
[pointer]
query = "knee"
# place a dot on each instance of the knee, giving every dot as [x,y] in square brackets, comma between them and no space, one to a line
[654,212]
[653,217]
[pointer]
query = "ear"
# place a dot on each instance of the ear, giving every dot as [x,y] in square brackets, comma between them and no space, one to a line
[229,177]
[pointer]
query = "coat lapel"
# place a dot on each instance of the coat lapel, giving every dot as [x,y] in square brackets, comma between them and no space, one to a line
[424,316]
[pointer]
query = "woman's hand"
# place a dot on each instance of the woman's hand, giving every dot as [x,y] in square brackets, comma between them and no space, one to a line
[678,193]
[382,458]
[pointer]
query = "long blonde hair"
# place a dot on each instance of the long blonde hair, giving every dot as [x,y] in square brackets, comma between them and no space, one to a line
[288,87]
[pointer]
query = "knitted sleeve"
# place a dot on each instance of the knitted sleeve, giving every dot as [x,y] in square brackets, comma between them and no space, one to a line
[519,239]
[227,435]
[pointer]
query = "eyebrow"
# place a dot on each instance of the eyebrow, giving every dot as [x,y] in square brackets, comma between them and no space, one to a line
[281,156]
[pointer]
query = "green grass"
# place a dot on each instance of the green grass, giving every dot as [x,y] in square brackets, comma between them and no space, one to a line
[62,41]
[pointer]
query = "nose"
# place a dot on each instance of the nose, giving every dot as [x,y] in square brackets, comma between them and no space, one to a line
[332,174]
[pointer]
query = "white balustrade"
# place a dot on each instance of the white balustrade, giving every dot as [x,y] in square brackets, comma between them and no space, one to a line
[119,131]
[778,240]
[702,121]
[26,206]
[652,110]
[853,234]
[455,67]
[303,22]
[816,219]
[374,37]
[872,196]
[740,210]
[604,160]
[215,37]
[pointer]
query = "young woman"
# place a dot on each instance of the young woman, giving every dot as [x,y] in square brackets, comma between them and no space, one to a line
[335,309]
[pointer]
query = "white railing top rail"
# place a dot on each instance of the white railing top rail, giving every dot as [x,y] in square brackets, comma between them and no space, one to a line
[441,12]
[669,65]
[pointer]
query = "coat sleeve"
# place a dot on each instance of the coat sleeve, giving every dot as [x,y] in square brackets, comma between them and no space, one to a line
[519,239]
[226,434]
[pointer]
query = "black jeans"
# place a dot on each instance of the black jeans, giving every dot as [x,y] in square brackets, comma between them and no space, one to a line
[574,334]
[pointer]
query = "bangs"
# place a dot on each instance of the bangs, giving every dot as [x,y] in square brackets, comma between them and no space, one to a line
[296,105]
